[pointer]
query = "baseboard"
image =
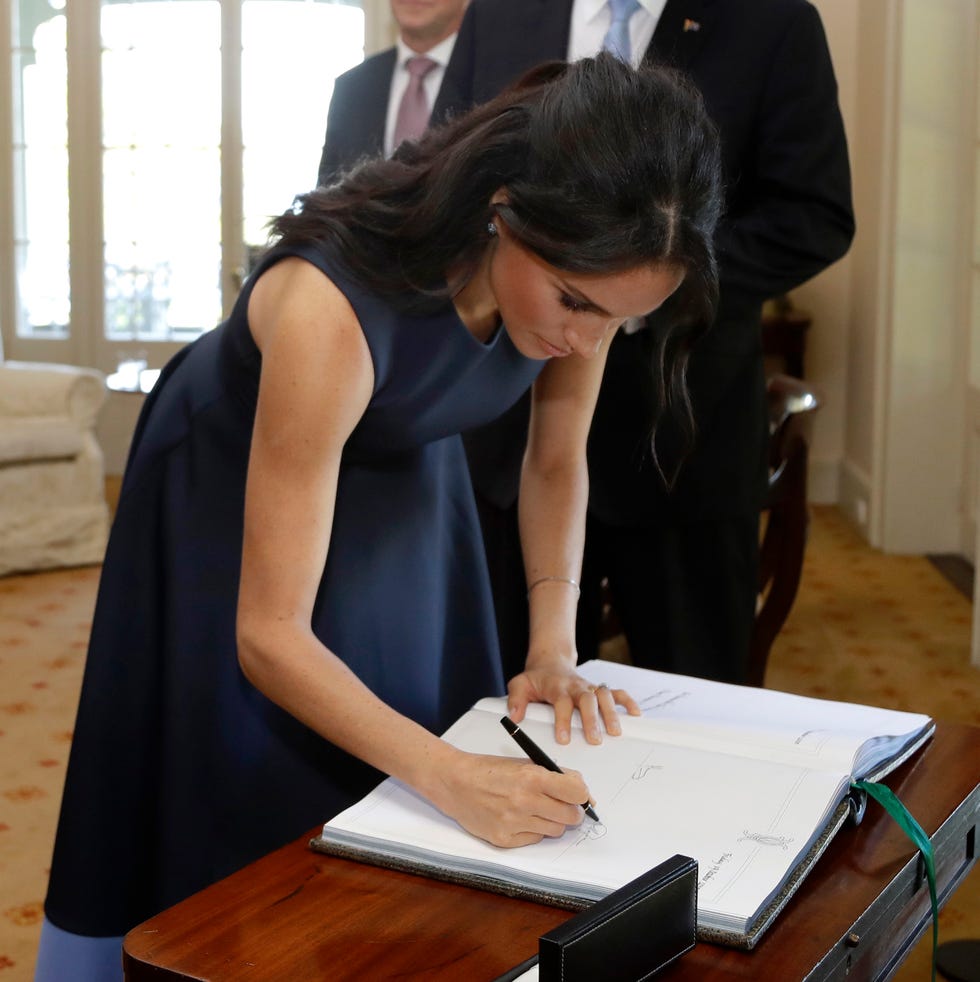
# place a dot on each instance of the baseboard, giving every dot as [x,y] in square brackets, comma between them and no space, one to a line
[823,481]
[854,497]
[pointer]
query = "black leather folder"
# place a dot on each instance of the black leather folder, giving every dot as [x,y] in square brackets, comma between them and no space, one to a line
[629,934]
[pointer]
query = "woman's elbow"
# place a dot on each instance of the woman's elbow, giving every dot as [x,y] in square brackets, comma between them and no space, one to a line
[556,468]
[255,647]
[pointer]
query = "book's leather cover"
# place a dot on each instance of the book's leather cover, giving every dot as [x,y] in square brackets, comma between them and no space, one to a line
[630,934]
[435,871]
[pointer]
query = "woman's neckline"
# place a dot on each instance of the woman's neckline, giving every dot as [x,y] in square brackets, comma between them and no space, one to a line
[475,303]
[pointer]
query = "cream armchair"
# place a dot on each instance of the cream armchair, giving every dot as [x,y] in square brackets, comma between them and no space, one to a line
[53,510]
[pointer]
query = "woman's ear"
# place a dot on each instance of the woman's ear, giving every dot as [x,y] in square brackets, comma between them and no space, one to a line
[500,197]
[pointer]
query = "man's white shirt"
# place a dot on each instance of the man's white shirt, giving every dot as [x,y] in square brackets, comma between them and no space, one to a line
[590,21]
[399,81]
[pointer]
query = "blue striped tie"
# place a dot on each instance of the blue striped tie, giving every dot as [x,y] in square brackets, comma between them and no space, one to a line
[617,39]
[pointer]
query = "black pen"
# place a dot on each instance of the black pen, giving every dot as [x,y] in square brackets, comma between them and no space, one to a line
[538,755]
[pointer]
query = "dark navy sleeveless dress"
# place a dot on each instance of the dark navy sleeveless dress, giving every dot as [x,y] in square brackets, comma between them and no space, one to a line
[180,771]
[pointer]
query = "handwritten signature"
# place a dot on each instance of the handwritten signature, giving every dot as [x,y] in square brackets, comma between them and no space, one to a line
[595,830]
[762,839]
[644,769]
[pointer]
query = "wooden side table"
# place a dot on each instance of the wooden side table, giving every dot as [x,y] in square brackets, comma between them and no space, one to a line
[297,915]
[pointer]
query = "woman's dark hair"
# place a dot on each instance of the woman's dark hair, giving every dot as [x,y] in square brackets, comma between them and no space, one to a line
[606,168]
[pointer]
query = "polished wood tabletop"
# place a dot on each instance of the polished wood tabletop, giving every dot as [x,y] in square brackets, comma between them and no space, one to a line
[297,915]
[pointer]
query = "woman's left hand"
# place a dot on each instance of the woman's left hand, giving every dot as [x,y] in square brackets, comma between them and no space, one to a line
[567,691]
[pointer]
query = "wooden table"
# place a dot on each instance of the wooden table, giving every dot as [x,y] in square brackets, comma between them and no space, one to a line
[299,916]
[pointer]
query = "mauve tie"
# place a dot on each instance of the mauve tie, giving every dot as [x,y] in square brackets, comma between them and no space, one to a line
[413,111]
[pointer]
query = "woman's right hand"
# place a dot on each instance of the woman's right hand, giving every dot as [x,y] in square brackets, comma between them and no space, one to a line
[510,802]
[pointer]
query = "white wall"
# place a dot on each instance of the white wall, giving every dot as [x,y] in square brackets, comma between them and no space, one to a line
[827,297]
[922,477]
[890,333]
[869,307]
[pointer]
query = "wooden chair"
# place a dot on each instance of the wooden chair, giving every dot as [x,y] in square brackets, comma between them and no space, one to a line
[784,331]
[792,405]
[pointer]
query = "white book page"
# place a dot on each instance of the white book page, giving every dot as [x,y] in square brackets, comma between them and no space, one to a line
[762,722]
[745,821]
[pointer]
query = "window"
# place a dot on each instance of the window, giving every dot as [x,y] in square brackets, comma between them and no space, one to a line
[285,98]
[161,168]
[40,166]
[151,141]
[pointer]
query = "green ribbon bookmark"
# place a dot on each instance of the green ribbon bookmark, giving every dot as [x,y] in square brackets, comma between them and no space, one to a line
[890,802]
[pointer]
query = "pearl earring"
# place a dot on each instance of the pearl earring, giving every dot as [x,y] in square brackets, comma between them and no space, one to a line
[491,229]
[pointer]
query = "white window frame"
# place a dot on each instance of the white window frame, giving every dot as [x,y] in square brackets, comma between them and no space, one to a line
[86,343]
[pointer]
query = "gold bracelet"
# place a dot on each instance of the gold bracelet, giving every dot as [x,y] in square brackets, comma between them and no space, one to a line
[554,579]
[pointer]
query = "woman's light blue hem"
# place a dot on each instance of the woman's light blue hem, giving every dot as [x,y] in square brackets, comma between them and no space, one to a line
[62,955]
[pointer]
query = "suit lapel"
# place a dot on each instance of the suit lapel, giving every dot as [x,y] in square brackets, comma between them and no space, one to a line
[541,28]
[378,90]
[681,31]
[556,26]
[522,34]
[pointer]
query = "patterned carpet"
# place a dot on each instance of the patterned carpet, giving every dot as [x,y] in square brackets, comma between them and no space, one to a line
[885,630]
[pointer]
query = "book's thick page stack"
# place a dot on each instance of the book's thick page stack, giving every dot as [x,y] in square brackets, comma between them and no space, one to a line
[750,782]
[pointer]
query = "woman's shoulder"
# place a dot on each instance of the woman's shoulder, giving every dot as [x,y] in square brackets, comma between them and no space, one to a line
[317,254]
[294,291]
[330,290]
[330,261]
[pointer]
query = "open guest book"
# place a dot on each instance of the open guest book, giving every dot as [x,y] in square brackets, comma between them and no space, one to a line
[751,783]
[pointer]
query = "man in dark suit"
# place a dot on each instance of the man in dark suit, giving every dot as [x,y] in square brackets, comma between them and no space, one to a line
[363,115]
[682,565]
